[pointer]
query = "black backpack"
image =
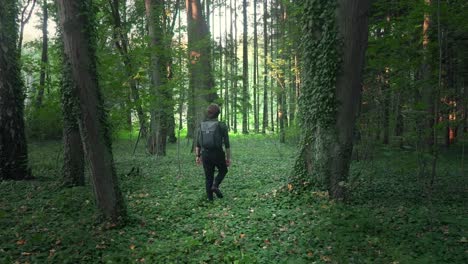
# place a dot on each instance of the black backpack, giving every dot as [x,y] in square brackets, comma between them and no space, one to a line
[210,135]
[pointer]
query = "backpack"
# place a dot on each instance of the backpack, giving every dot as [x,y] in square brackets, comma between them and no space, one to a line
[210,135]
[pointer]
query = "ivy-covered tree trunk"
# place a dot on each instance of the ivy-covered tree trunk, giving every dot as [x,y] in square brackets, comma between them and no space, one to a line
[73,152]
[201,82]
[76,21]
[13,147]
[335,39]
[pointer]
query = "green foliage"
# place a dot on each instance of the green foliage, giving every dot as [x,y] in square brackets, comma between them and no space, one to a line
[388,218]
[46,122]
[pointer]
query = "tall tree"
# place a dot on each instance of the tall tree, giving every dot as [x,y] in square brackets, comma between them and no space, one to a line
[76,20]
[201,82]
[245,70]
[13,147]
[337,31]
[44,56]
[24,19]
[158,68]
[255,70]
[265,66]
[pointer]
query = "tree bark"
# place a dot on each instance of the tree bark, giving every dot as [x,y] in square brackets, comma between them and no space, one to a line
[159,120]
[245,71]
[76,22]
[13,146]
[265,67]
[328,126]
[201,82]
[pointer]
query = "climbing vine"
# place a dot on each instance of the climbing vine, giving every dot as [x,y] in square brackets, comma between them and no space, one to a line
[317,102]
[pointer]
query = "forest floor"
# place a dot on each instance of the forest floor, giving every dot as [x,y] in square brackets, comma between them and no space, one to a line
[391,216]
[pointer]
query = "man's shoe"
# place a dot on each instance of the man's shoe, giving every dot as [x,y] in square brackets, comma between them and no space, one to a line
[218,193]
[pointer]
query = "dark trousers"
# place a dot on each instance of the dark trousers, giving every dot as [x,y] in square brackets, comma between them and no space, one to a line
[213,159]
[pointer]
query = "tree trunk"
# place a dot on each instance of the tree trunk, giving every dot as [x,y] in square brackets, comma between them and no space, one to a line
[159,120]
[265,67]
[25,16]
[44,56]
[255,71]
[73,153]
[79,42]
[13,146]
[201,82]
[245,71]
[328,123]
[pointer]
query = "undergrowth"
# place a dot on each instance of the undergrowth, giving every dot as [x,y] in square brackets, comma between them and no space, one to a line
[391,215]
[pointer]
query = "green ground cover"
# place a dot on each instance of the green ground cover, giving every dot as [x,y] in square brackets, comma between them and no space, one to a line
[391,217]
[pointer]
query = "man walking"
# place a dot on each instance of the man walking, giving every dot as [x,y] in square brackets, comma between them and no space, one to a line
[212,135]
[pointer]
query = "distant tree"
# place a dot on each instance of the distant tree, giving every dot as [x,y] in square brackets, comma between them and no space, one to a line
[245,71]
[13,147]
[122,44]
[337,31]
[24,19]
[44,55]
[265,67]
[76,21]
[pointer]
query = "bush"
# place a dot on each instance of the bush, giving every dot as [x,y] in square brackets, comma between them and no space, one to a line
[46,122]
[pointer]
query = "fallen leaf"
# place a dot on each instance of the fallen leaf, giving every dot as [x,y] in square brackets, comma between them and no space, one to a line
[242,235]
[290,186]
[132,247]
[310,254]
[21,242]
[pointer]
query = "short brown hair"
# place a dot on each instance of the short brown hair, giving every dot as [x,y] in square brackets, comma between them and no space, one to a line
[212,111]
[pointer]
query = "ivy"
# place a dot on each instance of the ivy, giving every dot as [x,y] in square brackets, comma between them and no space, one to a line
[320,63]
[317,103]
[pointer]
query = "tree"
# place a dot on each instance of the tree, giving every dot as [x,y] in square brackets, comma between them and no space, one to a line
[159,118]
[201,83]
[337,31]
[25,16]
[13,147]
[265,67]
[44,56]
[76,21]
[245,72]
[73,153]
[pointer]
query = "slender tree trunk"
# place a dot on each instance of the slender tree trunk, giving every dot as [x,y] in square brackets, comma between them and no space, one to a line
[265,66]
[255,71]
[44,56]
[235,91]
[245,70]
[328,124]
[25,16]
[13,146]
[79,41]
